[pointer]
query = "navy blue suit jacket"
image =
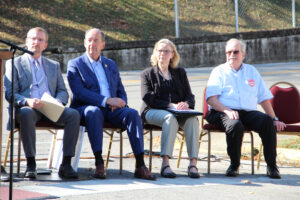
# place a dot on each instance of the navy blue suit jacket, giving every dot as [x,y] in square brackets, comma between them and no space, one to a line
[84,84]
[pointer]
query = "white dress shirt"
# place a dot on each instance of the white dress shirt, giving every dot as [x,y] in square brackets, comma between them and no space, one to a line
[102,80]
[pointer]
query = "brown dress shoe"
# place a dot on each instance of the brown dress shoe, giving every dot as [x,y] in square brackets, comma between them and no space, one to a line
[100,172]
[144,173]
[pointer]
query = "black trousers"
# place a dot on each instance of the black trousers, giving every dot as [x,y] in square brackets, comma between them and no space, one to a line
[257,121]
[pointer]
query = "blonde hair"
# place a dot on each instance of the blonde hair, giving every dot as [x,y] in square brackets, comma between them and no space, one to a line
[39,29]
[176,58]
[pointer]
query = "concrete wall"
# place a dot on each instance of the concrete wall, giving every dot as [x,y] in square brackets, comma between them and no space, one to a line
[262,47]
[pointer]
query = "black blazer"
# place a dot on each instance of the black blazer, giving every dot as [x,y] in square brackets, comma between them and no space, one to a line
[150,89]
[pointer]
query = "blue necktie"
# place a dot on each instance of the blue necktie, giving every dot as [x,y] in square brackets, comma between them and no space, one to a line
[37,73]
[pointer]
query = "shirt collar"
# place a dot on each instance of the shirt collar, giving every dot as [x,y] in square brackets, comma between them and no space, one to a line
[31,59]
[92,61]
[228,66]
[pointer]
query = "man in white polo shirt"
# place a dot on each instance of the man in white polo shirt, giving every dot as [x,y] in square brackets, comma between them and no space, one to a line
[233,91]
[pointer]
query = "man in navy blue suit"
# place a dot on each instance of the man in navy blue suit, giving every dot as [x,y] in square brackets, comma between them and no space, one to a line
[99,95]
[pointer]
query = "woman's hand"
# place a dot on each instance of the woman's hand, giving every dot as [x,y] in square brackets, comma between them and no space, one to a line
[183,106]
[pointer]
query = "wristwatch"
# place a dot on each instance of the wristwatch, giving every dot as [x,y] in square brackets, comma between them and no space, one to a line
[275,118]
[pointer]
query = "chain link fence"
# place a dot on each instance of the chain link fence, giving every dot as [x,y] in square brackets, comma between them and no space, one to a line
[205,17]
[131,20]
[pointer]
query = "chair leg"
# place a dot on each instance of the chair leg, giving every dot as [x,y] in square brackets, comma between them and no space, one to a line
[109,148]
[150,152]
[121,152]
[259,155]
[252,153]
[19,154]
[52,149]
[209,151]
[200,140]
[180,150]
[7,149]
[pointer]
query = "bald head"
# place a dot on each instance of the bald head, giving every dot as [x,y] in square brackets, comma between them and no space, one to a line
[95,30]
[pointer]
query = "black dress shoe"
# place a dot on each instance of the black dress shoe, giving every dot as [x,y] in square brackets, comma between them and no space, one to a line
[30,172]
[4,175]
[232,171]
[167,174]
[66,171]
[273,172]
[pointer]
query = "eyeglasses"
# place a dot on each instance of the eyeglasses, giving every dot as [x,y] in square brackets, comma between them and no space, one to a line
[160,51]
[38,39]
[234,52]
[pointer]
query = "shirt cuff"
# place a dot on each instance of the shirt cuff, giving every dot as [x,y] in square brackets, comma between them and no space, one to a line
[103,104]
[23,102]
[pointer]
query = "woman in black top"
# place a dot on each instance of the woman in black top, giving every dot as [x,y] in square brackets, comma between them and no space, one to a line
[164,85]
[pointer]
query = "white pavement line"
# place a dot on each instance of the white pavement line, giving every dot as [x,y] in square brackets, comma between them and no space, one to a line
[115,185]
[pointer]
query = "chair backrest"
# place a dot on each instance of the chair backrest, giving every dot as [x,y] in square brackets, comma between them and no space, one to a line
[286,102]
[205,107]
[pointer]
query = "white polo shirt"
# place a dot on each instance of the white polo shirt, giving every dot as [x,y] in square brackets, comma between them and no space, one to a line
[242,89]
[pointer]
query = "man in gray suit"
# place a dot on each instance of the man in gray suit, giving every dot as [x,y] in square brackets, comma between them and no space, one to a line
[35,75]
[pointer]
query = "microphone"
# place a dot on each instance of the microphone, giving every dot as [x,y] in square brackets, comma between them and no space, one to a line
[13,46]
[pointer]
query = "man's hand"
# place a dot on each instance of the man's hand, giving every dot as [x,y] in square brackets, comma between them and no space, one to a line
[34,103]
[279,125]
[232,114]
[115,103]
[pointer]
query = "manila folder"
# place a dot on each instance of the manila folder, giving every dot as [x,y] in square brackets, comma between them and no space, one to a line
[52,108]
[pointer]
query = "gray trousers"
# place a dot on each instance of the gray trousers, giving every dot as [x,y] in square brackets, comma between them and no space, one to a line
[27,117]
[170,125]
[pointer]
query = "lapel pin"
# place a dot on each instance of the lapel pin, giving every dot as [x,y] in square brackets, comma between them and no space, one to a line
[105,65]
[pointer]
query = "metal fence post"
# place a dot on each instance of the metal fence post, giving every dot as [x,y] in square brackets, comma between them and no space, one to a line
[176,19]
[236,4]
[294,13]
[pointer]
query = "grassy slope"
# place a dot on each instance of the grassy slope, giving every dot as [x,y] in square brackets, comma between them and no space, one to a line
[67,20]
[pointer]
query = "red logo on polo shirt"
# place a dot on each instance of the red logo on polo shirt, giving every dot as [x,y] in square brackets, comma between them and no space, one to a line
[251,83]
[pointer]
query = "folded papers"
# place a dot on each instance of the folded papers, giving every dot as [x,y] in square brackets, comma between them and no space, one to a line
[52,108]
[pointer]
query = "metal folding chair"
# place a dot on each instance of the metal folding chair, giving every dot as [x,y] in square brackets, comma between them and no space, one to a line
[286,105]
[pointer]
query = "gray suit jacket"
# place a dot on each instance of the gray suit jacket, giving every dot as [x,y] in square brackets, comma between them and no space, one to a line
[23,80]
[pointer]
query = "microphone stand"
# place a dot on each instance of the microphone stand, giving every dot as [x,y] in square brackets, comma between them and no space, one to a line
[13,49]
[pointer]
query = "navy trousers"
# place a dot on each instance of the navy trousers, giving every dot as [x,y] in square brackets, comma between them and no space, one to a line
[124,118]
[257,121]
